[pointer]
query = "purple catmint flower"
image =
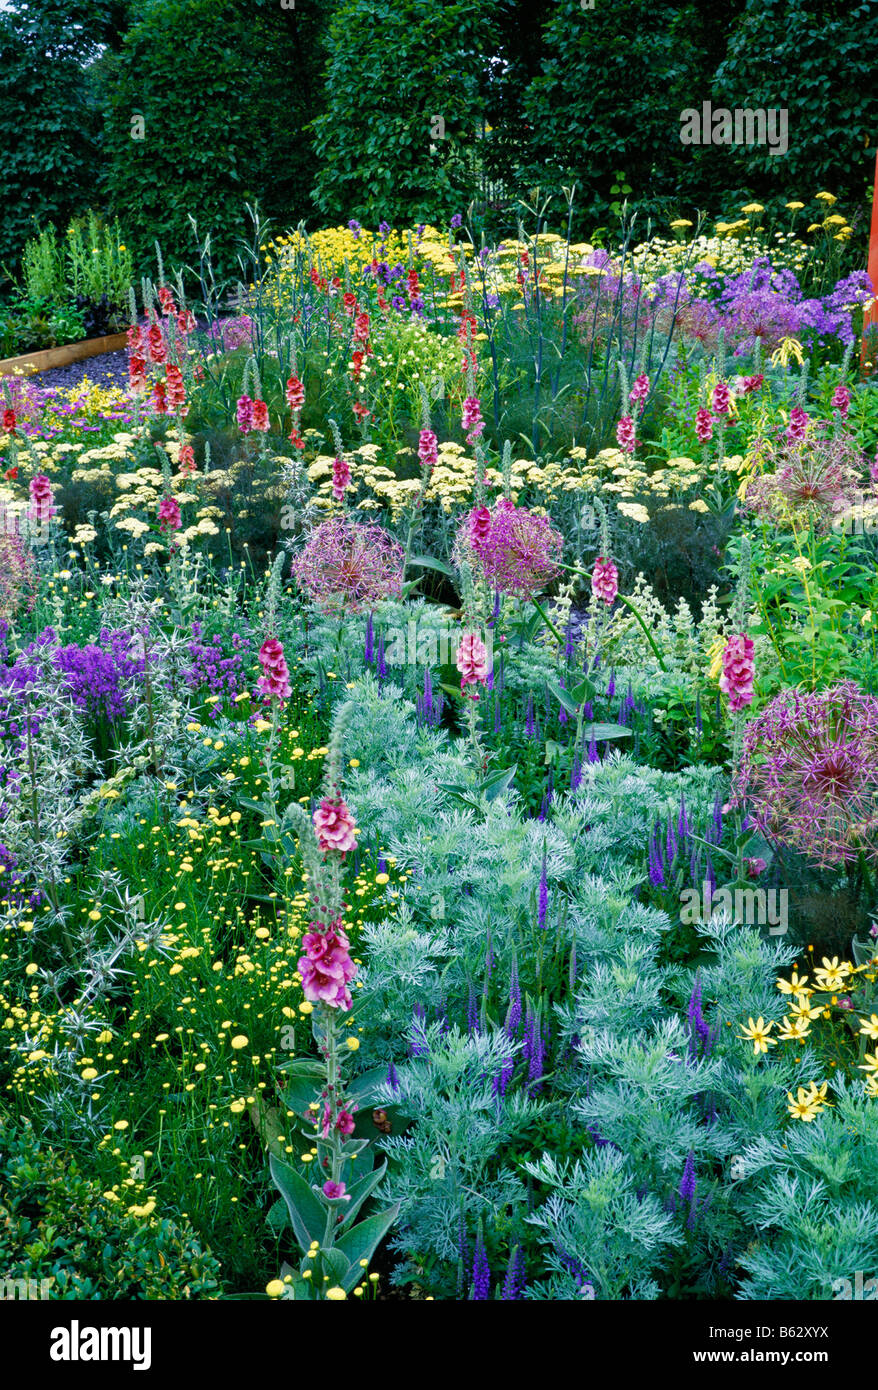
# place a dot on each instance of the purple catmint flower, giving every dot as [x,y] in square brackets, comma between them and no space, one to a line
[418,1045]
[481,1288]
[514,1283]
[530,727]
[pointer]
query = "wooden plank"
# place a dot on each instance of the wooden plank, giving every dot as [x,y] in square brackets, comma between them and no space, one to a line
[63,356]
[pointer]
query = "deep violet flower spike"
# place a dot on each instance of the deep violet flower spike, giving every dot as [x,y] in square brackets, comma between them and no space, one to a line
[687,1182]
[514,1283]
[369,653]
[481,1271]
[543,896]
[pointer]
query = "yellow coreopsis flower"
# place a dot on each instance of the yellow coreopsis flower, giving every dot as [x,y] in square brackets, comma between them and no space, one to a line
[831,975]
[794,1030]
[758,1034]
[869,1026]
[803,1107]
[794,985]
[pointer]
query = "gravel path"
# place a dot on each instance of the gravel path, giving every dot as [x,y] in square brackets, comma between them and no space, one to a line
[108,369]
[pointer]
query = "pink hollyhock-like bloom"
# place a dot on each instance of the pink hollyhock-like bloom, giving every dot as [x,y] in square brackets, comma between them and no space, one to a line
[326,968]
[244,414]
[335,1191]
[361,328]
[345,1122]
[841,399]
[259,416]
[185,322]
[755,867]
[721,398]
[753,383]
[428,449]
[472,660]
[479,528]
[739,669]
[166,299]
[295,393]
[703,426]
[640,390]
[605,580]
[625,434]
[40,489]
[334,827]
[136,344]
[170,517]
[186,459]
[9,420]
[155,344]
[472,418]
[873,472]
[275,679]
[798,426]
[159,401]
[341,477]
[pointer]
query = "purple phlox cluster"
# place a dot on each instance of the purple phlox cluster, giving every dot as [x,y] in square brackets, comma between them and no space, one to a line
[96,676]
[211,667]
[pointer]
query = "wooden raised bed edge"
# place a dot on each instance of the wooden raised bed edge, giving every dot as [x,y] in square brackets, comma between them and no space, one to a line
[63,356]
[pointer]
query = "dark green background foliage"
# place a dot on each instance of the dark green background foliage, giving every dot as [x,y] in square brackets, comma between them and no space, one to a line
[49,115]
[394,65]
[323,111]
[225,88]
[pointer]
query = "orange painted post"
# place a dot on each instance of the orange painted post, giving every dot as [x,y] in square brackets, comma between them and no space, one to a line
[871,316]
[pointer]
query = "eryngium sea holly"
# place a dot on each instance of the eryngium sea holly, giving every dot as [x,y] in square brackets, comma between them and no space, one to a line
[809,773]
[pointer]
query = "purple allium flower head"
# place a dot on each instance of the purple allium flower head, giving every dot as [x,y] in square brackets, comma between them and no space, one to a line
[517,553]
[809,773]
[346,565]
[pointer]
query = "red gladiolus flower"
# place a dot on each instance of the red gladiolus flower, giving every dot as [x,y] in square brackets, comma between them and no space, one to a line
[361,328]
[156,343]
[260,416]
[159,403]
[185,322]
[166,299]
[137,374]
[9,421]
[176,389]
[295,393]
[186,461]
[136,344]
